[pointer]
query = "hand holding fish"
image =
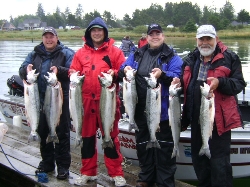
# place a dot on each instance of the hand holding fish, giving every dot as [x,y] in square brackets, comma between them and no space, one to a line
[29,68]
[126,69]
[156,72]
[214,83]
[176,81]
[54,69]
[111,72]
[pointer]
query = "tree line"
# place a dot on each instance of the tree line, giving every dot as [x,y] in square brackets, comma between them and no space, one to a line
[183,15]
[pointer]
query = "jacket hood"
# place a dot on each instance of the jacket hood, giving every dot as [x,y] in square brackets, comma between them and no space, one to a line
[96,21]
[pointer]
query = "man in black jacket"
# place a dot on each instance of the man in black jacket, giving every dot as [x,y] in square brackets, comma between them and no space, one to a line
[52,56]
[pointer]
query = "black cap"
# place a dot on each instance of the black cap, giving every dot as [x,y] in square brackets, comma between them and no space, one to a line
[49,29]
[154,27]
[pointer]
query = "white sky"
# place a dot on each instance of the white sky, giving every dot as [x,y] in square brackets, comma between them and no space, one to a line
[118,8]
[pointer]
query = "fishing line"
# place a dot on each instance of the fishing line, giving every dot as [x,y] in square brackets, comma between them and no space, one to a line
[42,177]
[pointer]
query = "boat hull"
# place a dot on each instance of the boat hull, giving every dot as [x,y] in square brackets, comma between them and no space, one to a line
[12,106]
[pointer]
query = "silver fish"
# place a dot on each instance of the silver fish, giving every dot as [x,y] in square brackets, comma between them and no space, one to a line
[153,110]
[174,113]
[32,104]
[76,105]
[130,97]
[107,107]
[53,105]
[207,113]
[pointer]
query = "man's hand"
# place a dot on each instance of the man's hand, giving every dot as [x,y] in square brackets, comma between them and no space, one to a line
[156,72]
[29,68]
[111,72]
[214,83]
[126,69]
[176,81]
[71,71]
[54,69]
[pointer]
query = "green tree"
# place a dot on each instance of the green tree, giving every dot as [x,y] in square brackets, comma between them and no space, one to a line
[227,12]
[89,17]
[243,16]
[40,12]
[190,26]
[79,11]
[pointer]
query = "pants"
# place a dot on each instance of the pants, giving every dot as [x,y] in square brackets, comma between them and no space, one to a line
[112,156]
[216,171]
[156,165]
[60,152]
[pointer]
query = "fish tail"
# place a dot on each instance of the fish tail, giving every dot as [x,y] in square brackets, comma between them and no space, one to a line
[205,151]
[53,138]
[107,144]
[133,126]
[152,144]
[33,137]
[78,142]
[175,152]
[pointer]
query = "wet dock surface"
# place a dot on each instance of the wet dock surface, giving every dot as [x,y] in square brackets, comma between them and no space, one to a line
[25,157]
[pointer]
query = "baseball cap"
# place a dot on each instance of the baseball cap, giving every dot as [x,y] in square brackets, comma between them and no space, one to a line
[206,30]
[95,26]
[49,29]
[154,27]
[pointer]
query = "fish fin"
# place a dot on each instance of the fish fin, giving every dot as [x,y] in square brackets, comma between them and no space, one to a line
[205,151]
[108,144]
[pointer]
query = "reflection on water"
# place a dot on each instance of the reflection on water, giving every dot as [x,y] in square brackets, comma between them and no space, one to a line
[13,53]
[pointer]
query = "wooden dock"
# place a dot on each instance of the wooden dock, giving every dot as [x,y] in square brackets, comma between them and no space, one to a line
[25,157]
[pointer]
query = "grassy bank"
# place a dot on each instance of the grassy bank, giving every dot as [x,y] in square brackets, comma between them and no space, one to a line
[117,34]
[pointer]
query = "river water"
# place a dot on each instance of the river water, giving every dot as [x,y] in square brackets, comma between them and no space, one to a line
[13,53]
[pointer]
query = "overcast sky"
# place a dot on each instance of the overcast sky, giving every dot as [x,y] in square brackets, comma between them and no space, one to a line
[118,8]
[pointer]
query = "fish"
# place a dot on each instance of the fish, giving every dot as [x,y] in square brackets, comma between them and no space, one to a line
[76,105]
[153,110]
[52,106]
[207,113]
[107,107]
[32,104]
[174,113]
[130,97]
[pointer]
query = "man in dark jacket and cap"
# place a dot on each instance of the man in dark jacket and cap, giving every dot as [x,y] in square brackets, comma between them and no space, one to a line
[96,56]
[52,56]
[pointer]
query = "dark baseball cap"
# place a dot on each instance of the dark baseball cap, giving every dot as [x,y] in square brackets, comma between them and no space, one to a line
[154,27]
[49,29]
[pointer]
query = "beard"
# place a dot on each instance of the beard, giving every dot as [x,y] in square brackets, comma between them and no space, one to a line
[207,50]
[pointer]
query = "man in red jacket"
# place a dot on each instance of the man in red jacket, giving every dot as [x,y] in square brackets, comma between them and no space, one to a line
[212,63]
[99,54]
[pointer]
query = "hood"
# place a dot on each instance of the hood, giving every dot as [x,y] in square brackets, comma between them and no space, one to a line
[96,21]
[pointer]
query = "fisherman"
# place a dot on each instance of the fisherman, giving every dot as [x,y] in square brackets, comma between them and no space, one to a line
[97,56]
[212,63]
[52,56]
[159,60]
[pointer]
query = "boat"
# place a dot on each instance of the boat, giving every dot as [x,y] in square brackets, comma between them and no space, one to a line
[13,110]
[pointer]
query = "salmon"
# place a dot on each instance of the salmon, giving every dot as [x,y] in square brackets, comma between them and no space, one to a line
[32,104]
[76,105]
[207,113]
[107,108]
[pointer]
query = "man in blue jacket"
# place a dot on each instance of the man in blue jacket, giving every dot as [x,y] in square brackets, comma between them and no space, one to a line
[157,58]
[52,56]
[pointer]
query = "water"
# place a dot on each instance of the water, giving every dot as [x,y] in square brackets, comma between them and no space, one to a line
[13,53]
